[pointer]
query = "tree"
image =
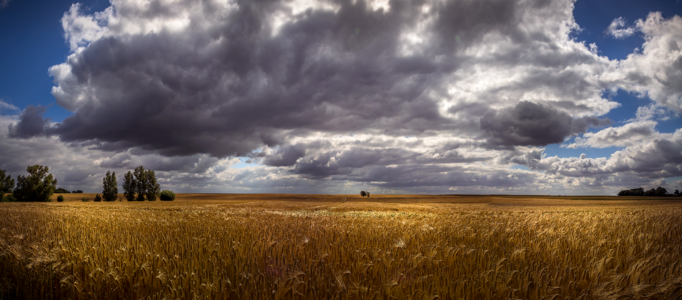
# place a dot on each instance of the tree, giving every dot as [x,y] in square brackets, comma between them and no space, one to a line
[61,191]
[110,192]
[153,188]
[6,183]
[38,186]
[140,182]
[677,193]
[363,193]
[661,191]
[129,186]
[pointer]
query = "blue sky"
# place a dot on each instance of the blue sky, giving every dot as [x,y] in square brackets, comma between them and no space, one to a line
[300,149]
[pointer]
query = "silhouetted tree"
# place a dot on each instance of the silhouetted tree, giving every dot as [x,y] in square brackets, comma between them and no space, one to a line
[140,182]
[677,193]
[6,183]
[110,191]
[129,186]
[153,188]
[661,191]
[38,186]
[363,193]
[61,191]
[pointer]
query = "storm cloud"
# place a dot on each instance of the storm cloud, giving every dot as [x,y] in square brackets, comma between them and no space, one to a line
[413,96]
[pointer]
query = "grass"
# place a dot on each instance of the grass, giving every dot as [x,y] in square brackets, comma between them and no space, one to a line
[229,246]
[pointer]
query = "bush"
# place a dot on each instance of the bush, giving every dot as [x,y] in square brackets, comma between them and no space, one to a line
[167,195]
[84,199]
[60,198]
[38,186]
[8,198]
[98,198]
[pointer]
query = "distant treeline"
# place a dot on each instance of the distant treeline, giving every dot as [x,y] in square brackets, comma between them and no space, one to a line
[659,191]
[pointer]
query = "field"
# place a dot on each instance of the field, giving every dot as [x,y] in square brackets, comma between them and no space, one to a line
[224,246]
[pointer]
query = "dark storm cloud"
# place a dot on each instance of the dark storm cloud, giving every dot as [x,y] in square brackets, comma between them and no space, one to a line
[230,89]
[350,161]
[31,123]
[232,82]
[533,124]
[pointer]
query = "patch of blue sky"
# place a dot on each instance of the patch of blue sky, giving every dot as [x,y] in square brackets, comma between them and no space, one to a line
[557,150]
[594,17]
[243,163]
[33,41]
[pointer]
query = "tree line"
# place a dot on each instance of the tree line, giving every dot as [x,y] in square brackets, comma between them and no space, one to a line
[39,186]
[659,191]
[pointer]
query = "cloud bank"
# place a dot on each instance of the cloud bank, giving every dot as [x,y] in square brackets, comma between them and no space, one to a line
[413,96]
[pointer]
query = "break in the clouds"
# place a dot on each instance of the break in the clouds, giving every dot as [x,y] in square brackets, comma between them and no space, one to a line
[422,96]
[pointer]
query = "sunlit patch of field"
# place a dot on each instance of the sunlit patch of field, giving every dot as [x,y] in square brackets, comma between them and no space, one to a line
[229,246]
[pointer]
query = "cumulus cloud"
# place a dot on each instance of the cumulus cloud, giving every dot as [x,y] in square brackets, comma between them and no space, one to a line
[225,79]
[531,124]
[31,123]
[326,96]
[626,135]
[656,71]
[617,28]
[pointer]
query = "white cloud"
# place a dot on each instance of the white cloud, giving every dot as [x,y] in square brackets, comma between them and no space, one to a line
[626,135]
[7,106]
[656,71]
[618,30]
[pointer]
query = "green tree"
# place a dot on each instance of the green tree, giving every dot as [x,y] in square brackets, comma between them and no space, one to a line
[140,182]
[153,188]
[110,192]
[6,183]
[38,186]
[129,186]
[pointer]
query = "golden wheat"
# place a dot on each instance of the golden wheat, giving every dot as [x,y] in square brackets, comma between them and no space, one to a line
[338,250]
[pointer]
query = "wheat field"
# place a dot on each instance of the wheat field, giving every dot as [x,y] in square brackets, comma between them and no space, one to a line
[208,246]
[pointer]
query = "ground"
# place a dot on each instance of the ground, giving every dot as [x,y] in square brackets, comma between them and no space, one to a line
[255,246]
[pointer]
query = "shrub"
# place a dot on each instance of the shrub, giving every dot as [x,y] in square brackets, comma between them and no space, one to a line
[38,186]
[98,198]
[8,198]
[60,198]
[167,195]
[84,199]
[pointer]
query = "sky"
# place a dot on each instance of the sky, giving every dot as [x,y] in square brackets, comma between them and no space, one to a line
[435,97]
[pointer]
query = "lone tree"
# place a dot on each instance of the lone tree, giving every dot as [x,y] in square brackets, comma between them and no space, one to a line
[6,183]
[140,182]
[677,193]
[129,186]
[363,193]
[38,186]
[153,188]
[110,192]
